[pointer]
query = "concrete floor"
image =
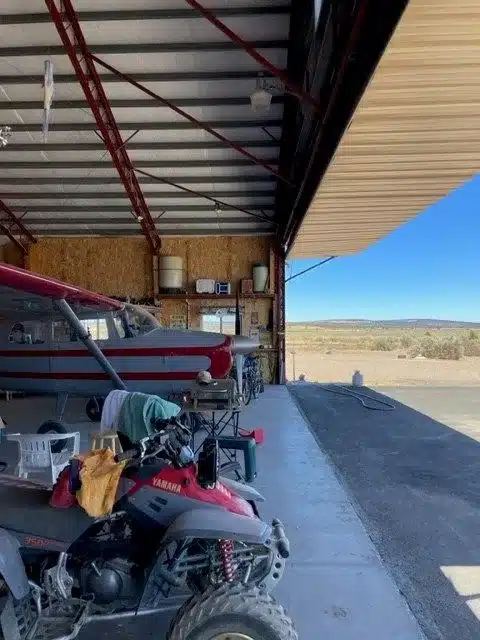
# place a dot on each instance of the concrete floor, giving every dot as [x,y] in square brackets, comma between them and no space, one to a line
[416,481]
[335,585]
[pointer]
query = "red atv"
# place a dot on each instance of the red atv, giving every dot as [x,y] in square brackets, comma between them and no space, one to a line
[179,536]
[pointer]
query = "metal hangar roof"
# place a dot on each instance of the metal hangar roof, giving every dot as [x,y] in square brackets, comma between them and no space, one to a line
[151,129]
[68,185]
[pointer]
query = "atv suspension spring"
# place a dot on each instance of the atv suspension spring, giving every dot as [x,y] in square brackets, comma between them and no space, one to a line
[226,553]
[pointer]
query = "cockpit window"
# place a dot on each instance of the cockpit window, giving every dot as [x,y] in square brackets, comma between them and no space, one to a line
[140,321]
[119,326]
[97,328]
[28,332]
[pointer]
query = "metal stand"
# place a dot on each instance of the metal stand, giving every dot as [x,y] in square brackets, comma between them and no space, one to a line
[215,412]
[214,424]
[60,405]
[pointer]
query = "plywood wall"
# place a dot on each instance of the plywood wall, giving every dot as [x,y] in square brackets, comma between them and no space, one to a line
[227,258]
[188,312]
[11,254]
[113,266]
[123,266]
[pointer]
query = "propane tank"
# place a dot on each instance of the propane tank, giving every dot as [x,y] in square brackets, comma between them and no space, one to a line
[357,379]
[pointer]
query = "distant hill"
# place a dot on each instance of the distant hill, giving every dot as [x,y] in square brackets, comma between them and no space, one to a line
[413,323]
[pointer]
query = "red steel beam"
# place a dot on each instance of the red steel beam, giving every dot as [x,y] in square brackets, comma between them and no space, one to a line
[246,46]
[70,32]
[187,116]
[14,229]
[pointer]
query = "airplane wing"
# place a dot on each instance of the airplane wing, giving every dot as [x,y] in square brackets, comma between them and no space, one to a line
[22,290]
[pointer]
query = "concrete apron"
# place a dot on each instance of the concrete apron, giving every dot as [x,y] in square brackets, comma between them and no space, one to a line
[335,585]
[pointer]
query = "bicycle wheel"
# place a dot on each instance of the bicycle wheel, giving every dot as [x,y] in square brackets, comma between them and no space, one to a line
[256,387]
[247,389]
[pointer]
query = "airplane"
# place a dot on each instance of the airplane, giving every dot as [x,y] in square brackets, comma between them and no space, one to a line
[59,339]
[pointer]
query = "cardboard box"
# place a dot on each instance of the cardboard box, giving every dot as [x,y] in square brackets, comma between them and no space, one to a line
[246,286]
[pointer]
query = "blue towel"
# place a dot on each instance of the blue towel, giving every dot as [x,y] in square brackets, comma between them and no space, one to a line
[139,410]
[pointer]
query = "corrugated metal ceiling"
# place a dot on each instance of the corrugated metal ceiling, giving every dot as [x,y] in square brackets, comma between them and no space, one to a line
[69,185]
[414,137]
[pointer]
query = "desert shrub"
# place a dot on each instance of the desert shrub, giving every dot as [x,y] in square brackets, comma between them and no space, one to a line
[415,350]
[471,345]
[387,343]
[449,348]
[471,348]
[473,335]
[406,341]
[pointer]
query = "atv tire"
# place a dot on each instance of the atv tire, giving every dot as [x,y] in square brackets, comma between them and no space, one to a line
[232,611]
[52,426]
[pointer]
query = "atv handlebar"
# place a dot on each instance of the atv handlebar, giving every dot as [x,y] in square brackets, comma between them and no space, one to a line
[126,455]
[171,439]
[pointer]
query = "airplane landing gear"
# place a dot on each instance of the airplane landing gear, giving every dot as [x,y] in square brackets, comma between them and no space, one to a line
[93,408]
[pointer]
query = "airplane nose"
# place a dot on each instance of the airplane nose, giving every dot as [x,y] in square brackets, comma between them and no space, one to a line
[241,345]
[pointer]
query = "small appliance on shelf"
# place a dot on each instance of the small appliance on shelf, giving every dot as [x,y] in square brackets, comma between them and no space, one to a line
[223,288]
[205,285]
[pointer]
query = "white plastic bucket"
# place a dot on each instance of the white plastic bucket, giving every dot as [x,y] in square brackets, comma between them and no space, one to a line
[260,277]
[170,272]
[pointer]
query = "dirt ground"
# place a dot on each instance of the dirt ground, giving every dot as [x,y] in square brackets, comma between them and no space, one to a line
[382,368]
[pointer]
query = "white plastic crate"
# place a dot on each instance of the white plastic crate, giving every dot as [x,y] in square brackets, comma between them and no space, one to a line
[36,454]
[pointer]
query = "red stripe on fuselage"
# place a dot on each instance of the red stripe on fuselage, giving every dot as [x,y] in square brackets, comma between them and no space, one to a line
[114,352]
[80,375]
[220,359]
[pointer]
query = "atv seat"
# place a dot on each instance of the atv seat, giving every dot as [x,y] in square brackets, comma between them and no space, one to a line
[27,512]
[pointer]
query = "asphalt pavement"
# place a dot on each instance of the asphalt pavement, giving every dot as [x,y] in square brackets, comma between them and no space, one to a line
[414,475]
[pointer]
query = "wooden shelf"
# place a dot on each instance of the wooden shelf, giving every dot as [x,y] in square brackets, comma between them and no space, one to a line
[213,296]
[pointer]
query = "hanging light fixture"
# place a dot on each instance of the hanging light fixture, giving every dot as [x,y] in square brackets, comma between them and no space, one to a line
[261,98]
[48,91]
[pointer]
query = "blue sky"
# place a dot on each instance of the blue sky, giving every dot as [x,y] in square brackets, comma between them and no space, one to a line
[427,268]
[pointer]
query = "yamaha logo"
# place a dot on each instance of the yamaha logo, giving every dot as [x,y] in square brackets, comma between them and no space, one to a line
[172,487]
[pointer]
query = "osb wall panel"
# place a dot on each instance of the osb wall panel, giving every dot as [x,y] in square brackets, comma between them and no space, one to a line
[247,307]
[224,258]
[113,266]
[11,254]
[227,258]
[123,266]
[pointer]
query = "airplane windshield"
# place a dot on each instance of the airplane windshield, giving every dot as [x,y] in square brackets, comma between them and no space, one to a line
[140,321]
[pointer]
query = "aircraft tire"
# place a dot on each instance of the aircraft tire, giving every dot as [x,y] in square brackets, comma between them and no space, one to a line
[52,426]
[94,409]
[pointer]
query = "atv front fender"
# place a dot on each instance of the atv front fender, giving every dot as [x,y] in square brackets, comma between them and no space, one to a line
[218,524]
[244,490]
[12,569]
